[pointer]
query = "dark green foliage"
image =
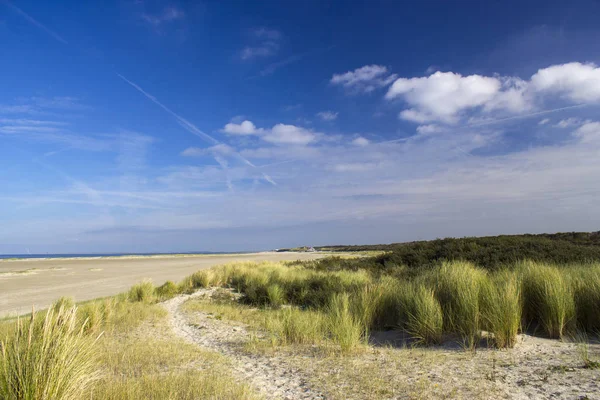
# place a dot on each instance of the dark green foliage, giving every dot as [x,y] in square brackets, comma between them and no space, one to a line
[490,253]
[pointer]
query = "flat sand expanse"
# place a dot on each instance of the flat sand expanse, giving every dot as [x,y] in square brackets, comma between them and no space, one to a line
[39,282]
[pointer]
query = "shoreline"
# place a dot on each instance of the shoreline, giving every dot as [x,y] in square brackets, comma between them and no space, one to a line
[133,256]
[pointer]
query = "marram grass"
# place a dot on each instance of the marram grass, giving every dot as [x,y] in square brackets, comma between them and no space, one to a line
[47,359]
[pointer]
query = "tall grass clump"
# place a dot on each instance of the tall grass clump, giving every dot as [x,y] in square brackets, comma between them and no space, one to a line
[276,295]
[64,302]
[293,326]
[47,359]
[457,289]
[586,289]
[501,307]
[142,292]
[167,290]
[548,299]
[91,316]
[200,279]
[365,305]
[345,329]
[421,312]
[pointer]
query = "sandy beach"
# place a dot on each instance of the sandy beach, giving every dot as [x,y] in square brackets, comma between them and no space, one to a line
[38,282]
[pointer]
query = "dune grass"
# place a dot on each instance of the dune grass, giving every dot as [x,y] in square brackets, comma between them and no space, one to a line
[548,299]
[457,289]
[112,348]
[47,358]
[501,306]
[423,314]
[453,299]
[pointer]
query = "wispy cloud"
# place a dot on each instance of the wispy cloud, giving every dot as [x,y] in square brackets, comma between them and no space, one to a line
[33,21]
[167,15]
[364,79]
[327,115]
[188,125]
[266,42]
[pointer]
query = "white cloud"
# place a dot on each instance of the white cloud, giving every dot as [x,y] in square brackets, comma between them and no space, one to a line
[289,134]
[448,97]
[278,134]
[243,128]
[544,121]
[364,79]
[574,81]
[361,141]
[327,115]
[443,95]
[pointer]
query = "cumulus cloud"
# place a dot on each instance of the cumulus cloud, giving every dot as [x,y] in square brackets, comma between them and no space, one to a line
[327,115]
[442,95]
[289,134]
[448,97]
[278,134]
[364,79]
[361,141]
[574,81]
[544,121]
[244,128]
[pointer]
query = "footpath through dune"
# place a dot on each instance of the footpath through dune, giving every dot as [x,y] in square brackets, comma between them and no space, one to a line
[271,375]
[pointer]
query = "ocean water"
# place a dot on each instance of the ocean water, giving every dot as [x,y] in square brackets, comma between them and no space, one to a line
[8,256]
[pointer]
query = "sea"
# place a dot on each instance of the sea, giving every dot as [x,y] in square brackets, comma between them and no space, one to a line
[20,256]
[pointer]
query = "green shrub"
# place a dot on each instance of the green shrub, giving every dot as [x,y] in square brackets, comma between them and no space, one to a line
[47,359]
[548,299]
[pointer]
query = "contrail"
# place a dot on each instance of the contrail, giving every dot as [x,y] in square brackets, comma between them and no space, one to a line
[527,115]
[191,127]
[35,22]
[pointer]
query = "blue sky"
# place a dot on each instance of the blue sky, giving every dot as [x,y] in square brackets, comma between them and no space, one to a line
[156,126]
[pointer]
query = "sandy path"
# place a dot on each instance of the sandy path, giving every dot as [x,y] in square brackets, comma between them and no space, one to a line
[24,283]
[273,376]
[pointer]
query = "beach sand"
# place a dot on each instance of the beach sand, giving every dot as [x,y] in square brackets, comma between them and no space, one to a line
[39,282]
